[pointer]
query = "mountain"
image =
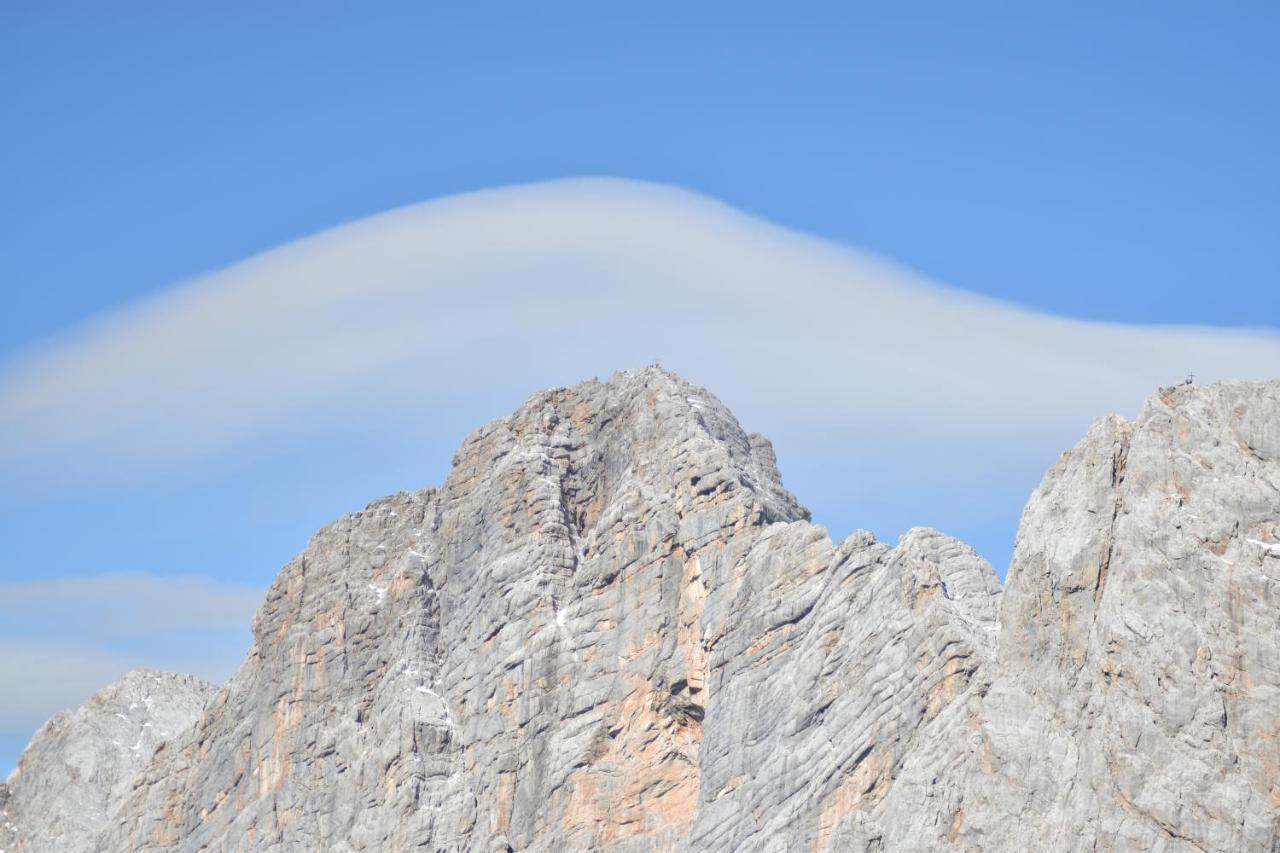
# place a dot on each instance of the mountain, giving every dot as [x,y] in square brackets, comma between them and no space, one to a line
[82,764]
[612,627]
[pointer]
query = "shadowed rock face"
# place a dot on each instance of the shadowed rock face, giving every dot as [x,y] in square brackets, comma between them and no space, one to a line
[613,628]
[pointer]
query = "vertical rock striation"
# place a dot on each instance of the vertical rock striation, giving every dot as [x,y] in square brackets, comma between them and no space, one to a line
[1138,701]
[613,628]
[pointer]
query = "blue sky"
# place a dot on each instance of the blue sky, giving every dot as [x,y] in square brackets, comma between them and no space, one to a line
[1095,164]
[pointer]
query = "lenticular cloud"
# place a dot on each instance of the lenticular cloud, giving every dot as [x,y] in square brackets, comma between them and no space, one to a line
[518,287]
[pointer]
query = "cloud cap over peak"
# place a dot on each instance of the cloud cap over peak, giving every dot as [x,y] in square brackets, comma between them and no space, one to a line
[531,285]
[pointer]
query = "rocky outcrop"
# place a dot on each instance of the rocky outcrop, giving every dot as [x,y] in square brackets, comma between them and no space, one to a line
[1134,701]
[613,628]
[522,657]
[1137,703]
[82,764]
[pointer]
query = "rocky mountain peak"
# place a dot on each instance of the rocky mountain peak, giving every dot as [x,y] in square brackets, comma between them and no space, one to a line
[612,627]
[1140,620]
[82,763]
[641,430]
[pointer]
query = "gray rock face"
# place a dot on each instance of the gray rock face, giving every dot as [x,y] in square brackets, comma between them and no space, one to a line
[82,764]
[1136,705]
[613,628]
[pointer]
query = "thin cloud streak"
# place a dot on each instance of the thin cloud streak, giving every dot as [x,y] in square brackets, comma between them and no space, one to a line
[113,607]
[63,639]
[39,681]
[525,286]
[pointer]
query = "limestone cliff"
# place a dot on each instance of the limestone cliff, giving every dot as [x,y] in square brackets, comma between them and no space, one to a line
[613,628]
[1136,702]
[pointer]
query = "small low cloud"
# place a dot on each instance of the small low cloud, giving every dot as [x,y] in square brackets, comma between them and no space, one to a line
[63,639]
[39,681]
[110,608]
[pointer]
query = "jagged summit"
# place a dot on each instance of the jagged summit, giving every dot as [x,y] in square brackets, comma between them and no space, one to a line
[641,424]
[612,627]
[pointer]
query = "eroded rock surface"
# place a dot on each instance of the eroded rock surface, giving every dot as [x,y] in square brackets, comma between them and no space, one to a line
[82,764]
[1137,704]
[613,628]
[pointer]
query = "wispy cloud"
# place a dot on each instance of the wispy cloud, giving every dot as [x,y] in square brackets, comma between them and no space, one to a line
[523,286]
[39,681]
[63,639]
[118,606]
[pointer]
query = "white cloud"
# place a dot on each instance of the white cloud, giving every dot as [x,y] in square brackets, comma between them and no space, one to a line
[63,639]
[526,286]
[458,302]
[39,681]
[119,606]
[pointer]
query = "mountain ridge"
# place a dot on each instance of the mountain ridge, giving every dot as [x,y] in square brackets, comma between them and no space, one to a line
[613,627]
